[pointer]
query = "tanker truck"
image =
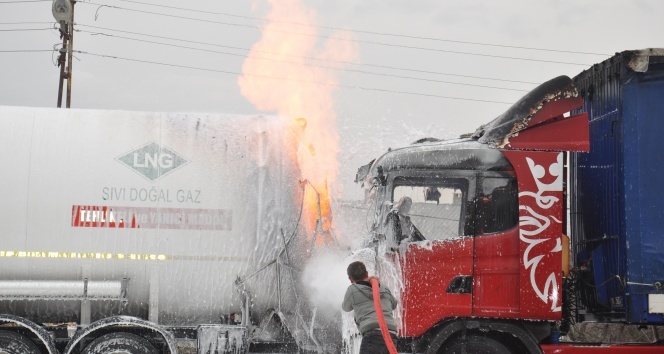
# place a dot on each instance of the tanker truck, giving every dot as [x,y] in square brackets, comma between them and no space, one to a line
[541,232]
[140,232]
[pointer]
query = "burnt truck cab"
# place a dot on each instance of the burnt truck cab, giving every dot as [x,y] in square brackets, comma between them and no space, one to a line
[475,225]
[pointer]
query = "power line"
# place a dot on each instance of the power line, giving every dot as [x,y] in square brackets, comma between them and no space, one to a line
[25,29]
[337,38]
[314,65]
[168,15]
[368,32]
[286,79]
[18,1]
[26,23]
[457,75]
[25,50]
[314,59]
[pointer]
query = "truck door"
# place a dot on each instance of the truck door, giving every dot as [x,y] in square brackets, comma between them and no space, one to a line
[496,262]
[434,248]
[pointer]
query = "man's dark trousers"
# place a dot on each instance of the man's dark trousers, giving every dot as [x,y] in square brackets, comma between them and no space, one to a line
[373,343]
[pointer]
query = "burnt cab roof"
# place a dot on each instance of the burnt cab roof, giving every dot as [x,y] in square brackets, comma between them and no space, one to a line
[520,127]
[458,154]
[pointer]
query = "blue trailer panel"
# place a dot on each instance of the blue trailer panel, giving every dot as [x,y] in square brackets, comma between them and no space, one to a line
[617,211]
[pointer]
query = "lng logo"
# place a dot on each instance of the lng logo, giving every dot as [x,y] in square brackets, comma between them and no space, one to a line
[152,161]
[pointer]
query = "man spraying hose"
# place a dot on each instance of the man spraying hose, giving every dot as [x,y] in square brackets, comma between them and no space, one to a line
[359,298]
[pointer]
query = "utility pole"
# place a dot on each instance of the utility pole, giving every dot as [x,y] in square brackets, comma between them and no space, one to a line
[63,11]
[70,53]
[61,60]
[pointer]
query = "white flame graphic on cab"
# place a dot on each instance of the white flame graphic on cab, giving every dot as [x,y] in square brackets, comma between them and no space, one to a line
[289,71]
[533,224]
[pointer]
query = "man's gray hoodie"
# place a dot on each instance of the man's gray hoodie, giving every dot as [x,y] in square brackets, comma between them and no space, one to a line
[359,298]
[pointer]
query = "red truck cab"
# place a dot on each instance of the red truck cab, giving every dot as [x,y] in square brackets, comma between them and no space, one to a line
[475,226]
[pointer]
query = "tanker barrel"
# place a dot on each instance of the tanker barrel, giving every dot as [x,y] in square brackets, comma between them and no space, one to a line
[65,289]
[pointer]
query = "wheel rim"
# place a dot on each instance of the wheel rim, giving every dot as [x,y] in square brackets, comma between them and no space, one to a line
[120,343]
[15,343]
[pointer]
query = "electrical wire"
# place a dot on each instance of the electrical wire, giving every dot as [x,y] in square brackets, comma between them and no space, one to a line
[286,79]
[367,32]
[191,48]
[311,58]
[305,64]
[26,23]
[18,1]
[25,29]
[55,50]
[25,50]
[341,39]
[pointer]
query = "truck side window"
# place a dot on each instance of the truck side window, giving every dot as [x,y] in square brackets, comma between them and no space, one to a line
[497,205]
[436,210]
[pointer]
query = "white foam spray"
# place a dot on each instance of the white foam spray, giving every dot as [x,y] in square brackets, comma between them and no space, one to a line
[326,279]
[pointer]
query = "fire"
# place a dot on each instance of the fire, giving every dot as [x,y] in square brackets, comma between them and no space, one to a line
[288,72]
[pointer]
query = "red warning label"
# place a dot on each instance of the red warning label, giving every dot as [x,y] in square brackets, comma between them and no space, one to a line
[151,218]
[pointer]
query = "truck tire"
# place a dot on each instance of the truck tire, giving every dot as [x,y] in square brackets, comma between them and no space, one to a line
[120,343]
[14,343]
[474,344]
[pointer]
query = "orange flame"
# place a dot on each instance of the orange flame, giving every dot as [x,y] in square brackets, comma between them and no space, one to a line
[288,72]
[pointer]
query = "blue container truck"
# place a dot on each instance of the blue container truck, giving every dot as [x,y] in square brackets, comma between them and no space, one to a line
[616,216]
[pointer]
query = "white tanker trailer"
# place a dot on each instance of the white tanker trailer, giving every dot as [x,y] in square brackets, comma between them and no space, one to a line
[130,232]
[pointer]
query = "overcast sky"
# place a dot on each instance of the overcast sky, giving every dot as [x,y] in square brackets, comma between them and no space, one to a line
[418,71]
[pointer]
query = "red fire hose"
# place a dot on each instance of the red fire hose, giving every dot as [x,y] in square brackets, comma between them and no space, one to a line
[375,288]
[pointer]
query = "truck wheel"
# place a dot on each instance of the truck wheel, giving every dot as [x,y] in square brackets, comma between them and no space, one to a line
[14,343]
[474,344]
[120,343]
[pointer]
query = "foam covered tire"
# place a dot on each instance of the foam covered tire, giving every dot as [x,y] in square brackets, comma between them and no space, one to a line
[120,343]
[474,344]
[14,343]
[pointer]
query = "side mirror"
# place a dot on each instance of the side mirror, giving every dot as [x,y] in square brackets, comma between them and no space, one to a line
[432,194]
[380,179]
[378,238]
[363,172]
